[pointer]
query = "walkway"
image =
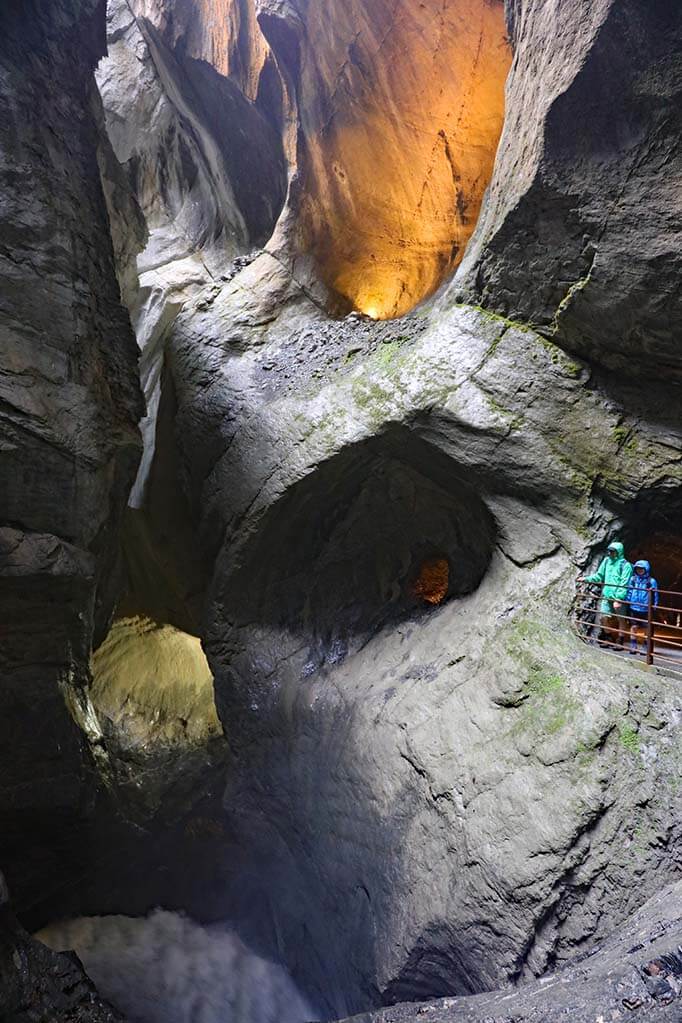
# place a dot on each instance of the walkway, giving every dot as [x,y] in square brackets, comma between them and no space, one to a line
[659,633]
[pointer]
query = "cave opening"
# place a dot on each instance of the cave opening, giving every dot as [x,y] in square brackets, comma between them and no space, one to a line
[650,531]
[152,689]
[398,112]
[663,551]
[384,531]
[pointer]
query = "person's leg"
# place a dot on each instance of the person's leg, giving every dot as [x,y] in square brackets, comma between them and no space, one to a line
[638,631]
[597,626]
[633,637]
[641,632]
[609,624]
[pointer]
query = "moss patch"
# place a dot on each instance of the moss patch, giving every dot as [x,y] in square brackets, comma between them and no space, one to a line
[548,706]
[629,739]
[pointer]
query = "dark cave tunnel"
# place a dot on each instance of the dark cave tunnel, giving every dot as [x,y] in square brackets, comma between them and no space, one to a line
[651,529]
[381,532]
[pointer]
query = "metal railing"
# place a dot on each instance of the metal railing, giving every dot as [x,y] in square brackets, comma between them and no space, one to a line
[660,624]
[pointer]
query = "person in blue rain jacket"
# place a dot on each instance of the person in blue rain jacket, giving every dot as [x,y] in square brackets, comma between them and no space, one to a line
[637,597]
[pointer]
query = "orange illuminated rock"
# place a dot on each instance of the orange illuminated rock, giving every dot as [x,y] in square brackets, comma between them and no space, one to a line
[431,585]
[402,108]
[390,112]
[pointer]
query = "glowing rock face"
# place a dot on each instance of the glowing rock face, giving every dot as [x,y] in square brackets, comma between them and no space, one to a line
[402,109]
[153,683]
[393,131]
[431,585]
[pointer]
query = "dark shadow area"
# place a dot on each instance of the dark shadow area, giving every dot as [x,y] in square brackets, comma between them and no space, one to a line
[653,530]
[354,545]
[650,529]
[256,166]
[165,573]
[438,965]
[663,551]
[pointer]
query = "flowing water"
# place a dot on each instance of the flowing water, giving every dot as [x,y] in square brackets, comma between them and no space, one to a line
[165,968]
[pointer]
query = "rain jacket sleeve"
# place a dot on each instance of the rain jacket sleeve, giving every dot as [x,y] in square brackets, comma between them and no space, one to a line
[624,571]
[598,576]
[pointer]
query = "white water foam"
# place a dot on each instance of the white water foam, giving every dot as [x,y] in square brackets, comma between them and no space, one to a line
[165,968]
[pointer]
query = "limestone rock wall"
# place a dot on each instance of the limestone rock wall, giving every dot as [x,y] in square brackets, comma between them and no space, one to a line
[634,975]
[70,403]
[401,776]
[580,233]
[200,161]
[400,108]
[424,799]
[223,33]
[174,118]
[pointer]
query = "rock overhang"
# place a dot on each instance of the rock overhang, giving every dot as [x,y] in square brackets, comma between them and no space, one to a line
[439,394]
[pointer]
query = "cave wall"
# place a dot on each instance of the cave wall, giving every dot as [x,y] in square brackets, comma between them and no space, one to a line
[403,796]
[580,232]
[400,109]
[70,405]
[399,773]
[174,114]
[195,177]
[223,33]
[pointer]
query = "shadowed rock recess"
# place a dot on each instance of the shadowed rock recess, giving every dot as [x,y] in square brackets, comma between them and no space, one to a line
[286,646]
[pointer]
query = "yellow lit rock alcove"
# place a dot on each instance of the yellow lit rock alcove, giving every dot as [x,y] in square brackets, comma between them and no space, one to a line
[402,106]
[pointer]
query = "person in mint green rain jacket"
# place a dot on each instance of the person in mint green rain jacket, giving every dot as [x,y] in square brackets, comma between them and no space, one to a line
[614,575]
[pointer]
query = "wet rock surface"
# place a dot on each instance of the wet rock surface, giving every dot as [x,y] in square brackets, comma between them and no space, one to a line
[636,974]
[401,783]
[580,232]
[70,446]
[41,986]
[422,799]
[393,154]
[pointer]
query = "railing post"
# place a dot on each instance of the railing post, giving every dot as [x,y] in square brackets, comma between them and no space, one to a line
[650,627]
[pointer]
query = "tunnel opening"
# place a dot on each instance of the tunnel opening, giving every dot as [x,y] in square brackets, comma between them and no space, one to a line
[152,690]
[663,551]
[386,530]
[653,532]
[650,529]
